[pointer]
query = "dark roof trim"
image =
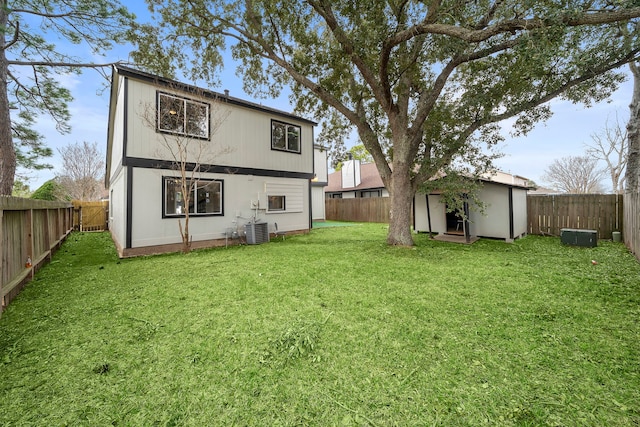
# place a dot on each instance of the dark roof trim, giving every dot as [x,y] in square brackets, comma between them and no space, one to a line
[153,79]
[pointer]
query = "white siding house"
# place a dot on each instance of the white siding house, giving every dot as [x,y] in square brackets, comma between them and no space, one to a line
[256,165]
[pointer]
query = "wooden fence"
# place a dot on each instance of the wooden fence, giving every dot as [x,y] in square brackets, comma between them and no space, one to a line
[631,231]
[374,209]
[90,216]
[30,232]
[548,214]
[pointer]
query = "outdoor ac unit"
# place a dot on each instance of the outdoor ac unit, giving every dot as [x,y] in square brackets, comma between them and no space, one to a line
[575,237]
[257,232]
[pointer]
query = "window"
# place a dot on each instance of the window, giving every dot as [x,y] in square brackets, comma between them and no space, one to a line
[206,198]
[183,116]
[285,137]
[370,193]
[276,203]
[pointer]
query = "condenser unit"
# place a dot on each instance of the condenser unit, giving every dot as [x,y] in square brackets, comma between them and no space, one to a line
[257,232]
[575,237]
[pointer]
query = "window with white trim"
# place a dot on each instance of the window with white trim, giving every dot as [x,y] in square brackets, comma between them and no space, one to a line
[285,197]
[182,116]
[285,137]
[206,197]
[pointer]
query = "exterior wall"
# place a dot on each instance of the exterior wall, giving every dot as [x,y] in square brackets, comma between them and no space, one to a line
[436,211]
[317,204]
[240,194]
[320,166]
[117,208]
[321,176]
[240,137]
[519,212]
[117,129]
[495,220]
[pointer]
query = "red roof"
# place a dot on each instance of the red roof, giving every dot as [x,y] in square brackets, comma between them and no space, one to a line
[369,176]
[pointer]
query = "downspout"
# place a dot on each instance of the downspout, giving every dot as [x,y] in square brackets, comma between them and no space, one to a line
[426,196]
[511,232]
[467,235]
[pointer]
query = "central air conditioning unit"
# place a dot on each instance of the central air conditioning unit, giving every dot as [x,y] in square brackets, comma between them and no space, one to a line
[257,232]
[574,237]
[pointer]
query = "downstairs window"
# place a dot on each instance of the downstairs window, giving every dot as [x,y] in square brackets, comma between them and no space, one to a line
[205,197]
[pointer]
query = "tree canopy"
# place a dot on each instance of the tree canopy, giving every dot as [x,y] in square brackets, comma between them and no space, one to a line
[40,38]
[424,83]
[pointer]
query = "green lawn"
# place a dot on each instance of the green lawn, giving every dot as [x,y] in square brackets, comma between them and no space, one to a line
[333,328]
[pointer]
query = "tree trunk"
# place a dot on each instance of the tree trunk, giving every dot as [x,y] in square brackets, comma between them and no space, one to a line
[7,150]
[401,194]
[632,176]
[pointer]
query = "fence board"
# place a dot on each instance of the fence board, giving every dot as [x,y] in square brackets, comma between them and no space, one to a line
[548,214]
[373,209]
[631,233]
[29,229]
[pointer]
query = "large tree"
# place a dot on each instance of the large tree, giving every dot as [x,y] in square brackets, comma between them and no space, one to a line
[37,39]
[424,83]
[632,174]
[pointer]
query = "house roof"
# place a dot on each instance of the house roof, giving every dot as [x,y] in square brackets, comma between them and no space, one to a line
[369,177]
[153,79]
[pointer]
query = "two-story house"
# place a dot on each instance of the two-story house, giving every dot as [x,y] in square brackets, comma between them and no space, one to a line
[250,165]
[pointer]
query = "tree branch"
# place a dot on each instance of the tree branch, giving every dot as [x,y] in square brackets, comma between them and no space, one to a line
[61,64]
[513,25]
[323,8]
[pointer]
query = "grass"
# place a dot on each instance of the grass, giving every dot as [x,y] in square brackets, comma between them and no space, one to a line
[330,328]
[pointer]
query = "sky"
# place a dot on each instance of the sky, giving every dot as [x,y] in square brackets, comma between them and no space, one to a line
[565,134]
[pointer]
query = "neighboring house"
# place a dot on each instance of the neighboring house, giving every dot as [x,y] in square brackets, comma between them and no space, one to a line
[256,168]
[319,182]
[504,217]
[355,180]
[543,191]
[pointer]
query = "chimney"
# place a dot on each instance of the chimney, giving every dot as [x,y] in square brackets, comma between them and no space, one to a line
[226,93]
[351,173]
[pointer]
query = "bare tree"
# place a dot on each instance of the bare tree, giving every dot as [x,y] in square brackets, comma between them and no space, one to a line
[82,176]
[610,146]
[186,128]
[574,175]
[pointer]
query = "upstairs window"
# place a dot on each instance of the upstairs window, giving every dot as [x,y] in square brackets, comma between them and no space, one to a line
[182,116]
[285,137]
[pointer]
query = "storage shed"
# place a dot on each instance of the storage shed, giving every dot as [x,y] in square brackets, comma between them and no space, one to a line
[504,217]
